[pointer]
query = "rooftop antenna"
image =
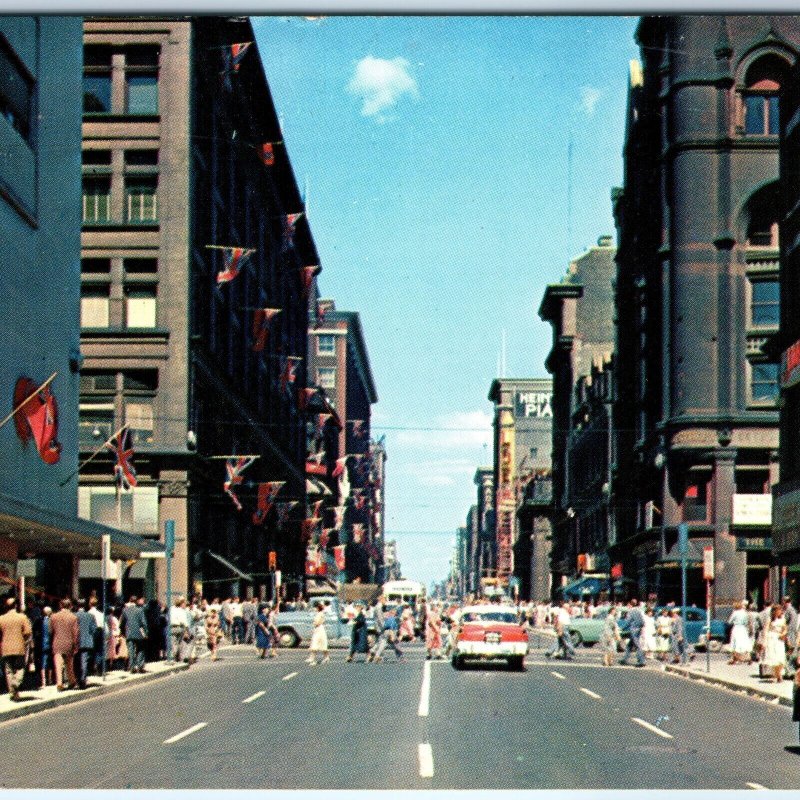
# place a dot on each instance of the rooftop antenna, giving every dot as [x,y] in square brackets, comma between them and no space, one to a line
[503,355]
[569,196]
[305,196]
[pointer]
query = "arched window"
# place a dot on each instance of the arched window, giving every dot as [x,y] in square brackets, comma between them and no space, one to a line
[762,218]
[759,96]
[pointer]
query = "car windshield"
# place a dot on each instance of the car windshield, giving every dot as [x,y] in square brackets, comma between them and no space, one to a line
[490,616]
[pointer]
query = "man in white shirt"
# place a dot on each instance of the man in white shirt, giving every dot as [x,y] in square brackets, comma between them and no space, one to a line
[562,647]
[180,629]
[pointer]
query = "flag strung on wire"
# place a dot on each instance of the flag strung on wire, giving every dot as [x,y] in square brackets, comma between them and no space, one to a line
[232,58]
[261,320]
[321,421]
[307,277]
[358,427]
[267,492]
[35,413]
[124,473]
[308,526]
[233,261]
[341,463]
[315,507]
[289,224]
[315,562]
[358,532]
[234,467]
[325,537]
[267,153]
[324,307]
[338,556]
[304,398]
[314,465]
[359,498]
[282,511]
[289,374]
[338,516]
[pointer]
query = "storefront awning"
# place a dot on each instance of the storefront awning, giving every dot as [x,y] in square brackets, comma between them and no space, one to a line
[585,587]
[39,531]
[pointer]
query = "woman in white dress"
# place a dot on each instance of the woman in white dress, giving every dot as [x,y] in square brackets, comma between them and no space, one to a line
[741,643]
[319,638]
[649,633]
[663,632]
[775,643]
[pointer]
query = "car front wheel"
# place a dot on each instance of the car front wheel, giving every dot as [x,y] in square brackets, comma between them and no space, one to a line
[457,661]
[517,663]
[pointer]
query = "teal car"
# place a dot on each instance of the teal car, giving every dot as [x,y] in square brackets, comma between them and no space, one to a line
[587,630]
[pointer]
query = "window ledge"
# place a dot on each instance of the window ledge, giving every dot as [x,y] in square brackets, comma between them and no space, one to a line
[119,225]
[121,333]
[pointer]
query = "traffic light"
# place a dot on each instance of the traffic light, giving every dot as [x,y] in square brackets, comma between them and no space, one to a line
[272,560]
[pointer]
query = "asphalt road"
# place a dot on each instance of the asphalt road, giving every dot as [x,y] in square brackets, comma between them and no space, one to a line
[243,723]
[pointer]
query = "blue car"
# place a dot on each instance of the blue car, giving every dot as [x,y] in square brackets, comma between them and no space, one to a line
[696,629]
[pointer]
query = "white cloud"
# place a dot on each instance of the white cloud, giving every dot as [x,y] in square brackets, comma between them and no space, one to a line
[589,99]
[380,83]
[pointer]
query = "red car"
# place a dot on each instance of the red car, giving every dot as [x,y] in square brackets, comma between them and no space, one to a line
[490,632]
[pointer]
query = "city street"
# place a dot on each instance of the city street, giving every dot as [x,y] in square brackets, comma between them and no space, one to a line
[281,724]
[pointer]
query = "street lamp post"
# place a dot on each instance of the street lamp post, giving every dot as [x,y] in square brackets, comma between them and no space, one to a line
[683,549]
[169,545]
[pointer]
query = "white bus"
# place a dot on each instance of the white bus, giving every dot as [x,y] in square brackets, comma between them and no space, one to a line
[395,593]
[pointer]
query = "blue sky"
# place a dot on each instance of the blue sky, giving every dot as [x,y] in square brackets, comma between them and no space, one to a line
[435,150]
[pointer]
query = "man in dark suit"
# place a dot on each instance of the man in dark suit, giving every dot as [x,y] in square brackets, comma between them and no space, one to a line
[134,622]
[87,626]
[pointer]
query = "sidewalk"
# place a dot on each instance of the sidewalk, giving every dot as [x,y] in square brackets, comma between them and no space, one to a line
[738,677]
[33,701]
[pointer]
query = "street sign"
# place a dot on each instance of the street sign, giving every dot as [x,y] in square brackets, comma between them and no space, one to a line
[708,563]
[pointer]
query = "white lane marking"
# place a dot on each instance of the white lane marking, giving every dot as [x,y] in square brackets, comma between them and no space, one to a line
[652,728]
[289,676]
[187,732]
[590,693]
[254,697]
[755,786]
[425,691]
[425,760]
[558,675]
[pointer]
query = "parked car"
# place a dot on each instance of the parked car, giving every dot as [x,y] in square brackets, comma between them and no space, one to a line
[696,629]
[587,630]
[295,628]
[489,632]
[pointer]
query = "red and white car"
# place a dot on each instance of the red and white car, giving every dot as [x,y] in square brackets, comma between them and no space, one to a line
[488,632]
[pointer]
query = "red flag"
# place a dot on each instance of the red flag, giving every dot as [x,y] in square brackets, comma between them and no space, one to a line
[261,319]
[289,371]
[304,397]
[233,60]
[233,260]
[315,507]
[338,555]
[267,492]
[37,419]
[338,470]
[325,537]
[314,465]
[267,153]
[283,510]
[307,276]
[359,498]
[124,473]
[234,467]
[289,224]
[323,307]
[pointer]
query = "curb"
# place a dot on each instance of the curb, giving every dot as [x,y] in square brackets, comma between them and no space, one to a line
[753,691]
[25,709]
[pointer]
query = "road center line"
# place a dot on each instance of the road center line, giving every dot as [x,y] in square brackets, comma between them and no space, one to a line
[425,760]
[558,675]
[755,786]
[652,728]
[425,691]
[590,693]
[187,732]
[289,676]
[253,697]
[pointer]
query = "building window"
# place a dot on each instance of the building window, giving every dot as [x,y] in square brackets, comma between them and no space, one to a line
[140,266]
[141,158]
[326,344]
[140,307]
[765,304]
[96,158]
[141,80]
[139,419]
[96,199]
[95,266]
[759,104]
[94,306]
[141,201]
[136,510]
[762,212]
[97,80]
[95,423]
[326,377]
[761,115]
[764,383]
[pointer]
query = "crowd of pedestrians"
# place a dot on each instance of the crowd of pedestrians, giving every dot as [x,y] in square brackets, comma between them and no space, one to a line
[64,647]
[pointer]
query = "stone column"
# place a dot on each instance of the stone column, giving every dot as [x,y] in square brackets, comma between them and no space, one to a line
[729,564]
